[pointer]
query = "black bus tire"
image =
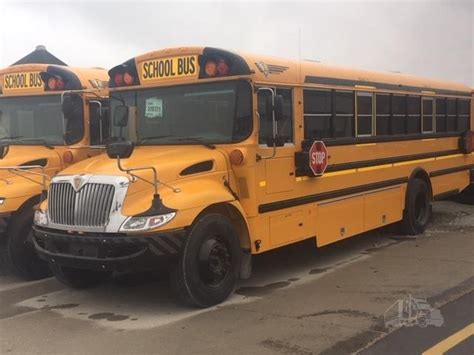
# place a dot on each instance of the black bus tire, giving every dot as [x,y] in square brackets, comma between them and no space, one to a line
[79,278]
[209,263]
[17,252]
[418,208]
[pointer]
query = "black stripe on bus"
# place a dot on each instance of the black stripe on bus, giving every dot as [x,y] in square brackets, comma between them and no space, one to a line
[384,86]
[445,195]
[391,160]
[451,170]
[331,142]
[302,161]
[279,205]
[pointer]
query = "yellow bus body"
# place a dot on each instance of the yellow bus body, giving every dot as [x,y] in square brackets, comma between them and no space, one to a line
[269,201]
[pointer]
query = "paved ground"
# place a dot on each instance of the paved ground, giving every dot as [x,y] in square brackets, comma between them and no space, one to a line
[299,301]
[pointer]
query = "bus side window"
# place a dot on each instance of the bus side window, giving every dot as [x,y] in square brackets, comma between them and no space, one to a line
[285,126]
[463,115]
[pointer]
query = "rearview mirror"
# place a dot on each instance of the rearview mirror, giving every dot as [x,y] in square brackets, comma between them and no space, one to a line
[278,107]
[273,104]
[3,151]
[121,116]
[121,150]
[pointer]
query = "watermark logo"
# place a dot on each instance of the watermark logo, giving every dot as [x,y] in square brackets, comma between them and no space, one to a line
[410,311]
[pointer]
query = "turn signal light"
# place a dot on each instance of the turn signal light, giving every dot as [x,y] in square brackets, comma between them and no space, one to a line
[211,68]
[223,67]
[236,157]
[219,67]
[128,79]
[55,83]
[68,157]
[118,79]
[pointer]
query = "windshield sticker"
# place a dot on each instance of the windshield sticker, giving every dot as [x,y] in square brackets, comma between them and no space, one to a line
[153,108]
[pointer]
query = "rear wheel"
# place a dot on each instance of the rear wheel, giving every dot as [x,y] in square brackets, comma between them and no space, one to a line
[207,269]
[418,208]
[79,278]
[17,253]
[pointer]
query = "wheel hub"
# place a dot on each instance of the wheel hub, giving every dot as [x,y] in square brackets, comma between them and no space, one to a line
[214,261]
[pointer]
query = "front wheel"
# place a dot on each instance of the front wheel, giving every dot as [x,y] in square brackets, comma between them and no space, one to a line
[79,278]
[208,266]
[418,208]
[18,253]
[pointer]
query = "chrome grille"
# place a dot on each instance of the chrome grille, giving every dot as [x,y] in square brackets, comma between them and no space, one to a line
[89,207]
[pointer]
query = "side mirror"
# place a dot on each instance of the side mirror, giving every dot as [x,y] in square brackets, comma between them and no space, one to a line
[121,150]
[278,141]
[273,107]
[278,107]
[121,116]
[3,151]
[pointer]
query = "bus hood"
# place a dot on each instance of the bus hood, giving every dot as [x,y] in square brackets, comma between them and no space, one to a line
[172,164]
[22,156]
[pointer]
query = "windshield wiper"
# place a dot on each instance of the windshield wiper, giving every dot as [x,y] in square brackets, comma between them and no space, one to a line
[9,138]
[40,141]
[146,139]
[196,140]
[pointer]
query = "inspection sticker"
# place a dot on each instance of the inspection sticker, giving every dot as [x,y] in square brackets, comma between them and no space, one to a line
[153,108]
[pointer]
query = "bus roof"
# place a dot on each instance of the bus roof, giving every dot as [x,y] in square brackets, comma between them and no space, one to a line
[267,69]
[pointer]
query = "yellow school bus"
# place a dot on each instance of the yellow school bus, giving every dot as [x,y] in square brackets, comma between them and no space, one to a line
[37,140]
[212,162]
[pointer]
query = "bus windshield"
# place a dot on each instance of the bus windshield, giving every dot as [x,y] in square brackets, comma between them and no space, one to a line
[186,114]
[29,119]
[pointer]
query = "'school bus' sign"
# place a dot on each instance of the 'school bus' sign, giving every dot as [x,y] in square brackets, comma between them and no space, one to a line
[22,81]
[169,68]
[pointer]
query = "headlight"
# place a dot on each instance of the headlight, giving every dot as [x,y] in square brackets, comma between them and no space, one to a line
[41,219]
[145,223]
[2,201]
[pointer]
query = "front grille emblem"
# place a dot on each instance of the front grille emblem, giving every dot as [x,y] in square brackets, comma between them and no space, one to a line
[77,182]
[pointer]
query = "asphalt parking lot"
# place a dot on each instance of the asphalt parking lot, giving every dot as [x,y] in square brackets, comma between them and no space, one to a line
[300,300]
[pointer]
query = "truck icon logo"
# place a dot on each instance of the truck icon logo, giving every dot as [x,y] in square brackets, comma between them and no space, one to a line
[78,182]
[410,311]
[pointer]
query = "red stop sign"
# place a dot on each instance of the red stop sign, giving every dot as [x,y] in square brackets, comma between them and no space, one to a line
[318,158]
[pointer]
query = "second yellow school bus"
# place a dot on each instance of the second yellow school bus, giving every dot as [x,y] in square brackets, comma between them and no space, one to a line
[37,140]
[210,165]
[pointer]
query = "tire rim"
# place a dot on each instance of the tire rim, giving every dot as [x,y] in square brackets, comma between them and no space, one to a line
[214,261]
[421,206]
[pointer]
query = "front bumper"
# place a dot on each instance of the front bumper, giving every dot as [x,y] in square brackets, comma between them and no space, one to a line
[106,251]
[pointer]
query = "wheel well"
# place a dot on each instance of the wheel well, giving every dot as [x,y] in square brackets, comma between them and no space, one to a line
[236,219]
[28,204]
[421,174]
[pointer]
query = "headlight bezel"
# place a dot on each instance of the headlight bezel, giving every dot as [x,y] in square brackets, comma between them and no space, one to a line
[40,218]
[147,222]
[2,201]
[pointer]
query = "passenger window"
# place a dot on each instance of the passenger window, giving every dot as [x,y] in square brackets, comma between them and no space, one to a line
[427,122]
[463,115]
[317,114]
[285,126]
[399,114]
[414,114]
[364,114]
[451,115]
[441,118]
[382,105]
[344,115]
